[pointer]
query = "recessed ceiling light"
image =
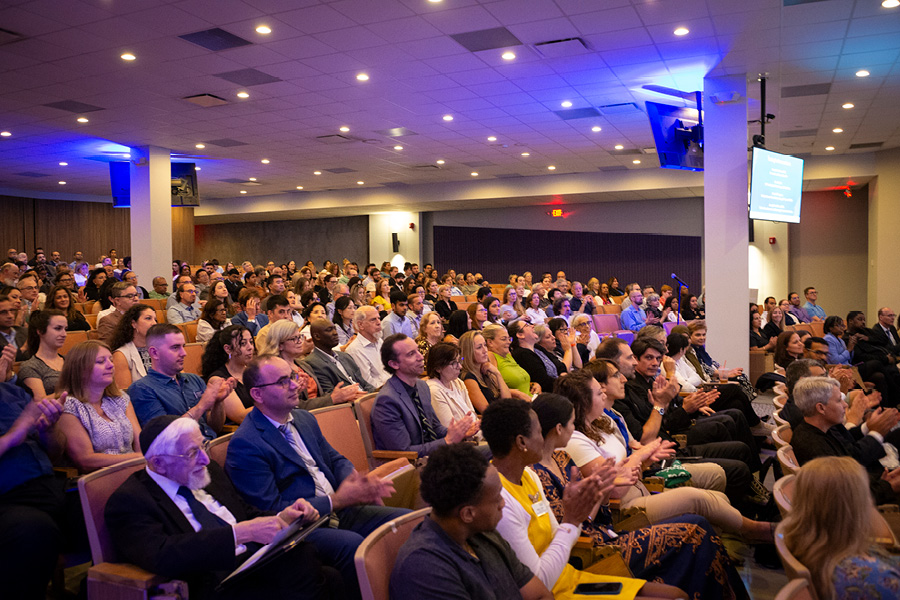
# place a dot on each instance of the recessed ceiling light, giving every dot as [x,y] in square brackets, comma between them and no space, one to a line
[551,168]
[62,183]
[360,182]
[265,161]
[345,129]
[567,104]
[526,154]
[619,147]
[636,161]
[595,128]
[847,105]
[440,161]
[243,191]
[196,168]
[5,133]
[474,174]
[263,29]
[243,95]
[299,187]
[128,56]
[447,117]
[82,119]
[829,148]
[837,130]
[862,73]
[64,164]
[891,3]
[681,31]
[362,77]
[317,172]
[508,56]
[200,146]
[435,1]
[398,147]
[251,179]
[492,138]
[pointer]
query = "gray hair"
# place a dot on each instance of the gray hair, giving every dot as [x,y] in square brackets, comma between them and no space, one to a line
[653,296]
[577,319]
[360,315]
[166,443]
[811,391]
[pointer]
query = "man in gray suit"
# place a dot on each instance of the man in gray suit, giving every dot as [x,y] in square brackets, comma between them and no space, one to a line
[332,367]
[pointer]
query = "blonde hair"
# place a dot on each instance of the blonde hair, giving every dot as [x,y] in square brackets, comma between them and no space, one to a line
[423,326]
[77,369]
[467,350]
[275,336]
[830,518]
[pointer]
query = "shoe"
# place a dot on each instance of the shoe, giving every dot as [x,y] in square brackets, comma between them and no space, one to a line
[760,495]
[762,429]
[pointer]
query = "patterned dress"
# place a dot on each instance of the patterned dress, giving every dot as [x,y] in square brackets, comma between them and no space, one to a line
[873,576]
[683,551]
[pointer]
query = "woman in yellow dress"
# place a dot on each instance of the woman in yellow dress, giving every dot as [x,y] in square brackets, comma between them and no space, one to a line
[513,432]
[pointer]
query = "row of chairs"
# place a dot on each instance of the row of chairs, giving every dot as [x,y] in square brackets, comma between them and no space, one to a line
[92,307]
[76,337]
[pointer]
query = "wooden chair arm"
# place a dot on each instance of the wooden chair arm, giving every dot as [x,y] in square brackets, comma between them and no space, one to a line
[388,455]
[681,440]
[654,485]
[125,574]
[584,543]
[226,429]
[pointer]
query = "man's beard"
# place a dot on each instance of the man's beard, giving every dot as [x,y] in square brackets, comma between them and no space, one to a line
[199,480]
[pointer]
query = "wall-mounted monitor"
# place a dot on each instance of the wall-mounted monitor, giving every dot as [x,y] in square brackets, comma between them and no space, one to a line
[776,184]
[678,135]
[184,184]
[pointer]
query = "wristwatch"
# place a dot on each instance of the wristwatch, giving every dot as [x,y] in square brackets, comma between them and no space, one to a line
[660,410]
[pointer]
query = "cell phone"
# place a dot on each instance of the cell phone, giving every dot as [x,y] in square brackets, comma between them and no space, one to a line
[610,588]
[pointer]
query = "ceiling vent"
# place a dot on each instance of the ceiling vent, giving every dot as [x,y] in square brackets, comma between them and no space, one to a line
[792,133]
[866,145]
[508,175]
[479,163]
[426,167]
[74,107]
[486,39]
[627,152]
[813,89]
[341,170]
[396,132]
[562,48]
[577,113]
[226,143]
[9,37]
[206,100]
[247,77]
[31,174]
[215,39]
[336,138]
[619,108]
[798,2]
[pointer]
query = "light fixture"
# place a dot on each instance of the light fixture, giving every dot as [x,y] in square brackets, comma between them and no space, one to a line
[681,31]
[398,147]
[5,133]
[299,187]
[317,172]
[551,168]
[847,105]
[862,73]
[837,130]
[447,117]
[619,147]
[360,182]
[82,119]
[196,168]
[128,56]
[526,154]
[829,148]
[891,3]
[362,77]
[345,129]
[64,164]
[62,183]
[200,146]
[243,191]
[595,128]
[265,161]
[243,95]
[440,161]
[567,104]
[492,138]
[263,29]
[435,1]
[251,179]
[636,161]
[508,56]
[474,174]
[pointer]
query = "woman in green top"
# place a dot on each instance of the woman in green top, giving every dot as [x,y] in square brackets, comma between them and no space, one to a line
[517,378]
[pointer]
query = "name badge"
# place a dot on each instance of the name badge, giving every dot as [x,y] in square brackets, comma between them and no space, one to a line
[540,508]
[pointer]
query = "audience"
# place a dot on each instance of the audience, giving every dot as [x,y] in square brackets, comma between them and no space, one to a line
[344,309]
[184,309]
[226,356]
[213,319]
[365,349]
[431,332]
[449,397]
[479,374]
[444,306]
[46,336]
[517,378]
[478,316]
[816,312]
[788,348]
[278,308]
[10,333]
[329,366]
[759,338]
[542,367]
[129,344]
[61,298]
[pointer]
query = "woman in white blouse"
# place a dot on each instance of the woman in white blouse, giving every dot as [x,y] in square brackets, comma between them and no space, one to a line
[449,397]
[534,313]
[677,345]
[129,344]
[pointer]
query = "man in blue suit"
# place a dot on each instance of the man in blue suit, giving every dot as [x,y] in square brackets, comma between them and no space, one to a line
[278,455]
[402,417]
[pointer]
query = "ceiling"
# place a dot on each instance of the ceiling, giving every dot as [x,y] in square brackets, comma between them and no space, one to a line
[423,61]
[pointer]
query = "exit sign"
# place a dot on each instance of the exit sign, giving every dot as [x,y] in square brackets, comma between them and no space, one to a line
[556,212]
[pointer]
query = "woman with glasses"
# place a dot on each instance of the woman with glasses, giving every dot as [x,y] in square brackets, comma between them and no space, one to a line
[98,420]
[46,335]
[586,338]
[227,354]
[129,344]
[61,299]
[478,313]
[449,397]
[561,342]
[213,318]
[344,309]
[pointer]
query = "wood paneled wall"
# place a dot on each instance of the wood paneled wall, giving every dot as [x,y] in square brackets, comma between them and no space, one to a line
[183,235]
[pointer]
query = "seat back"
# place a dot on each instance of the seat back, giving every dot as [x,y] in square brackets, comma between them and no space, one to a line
[190,331]
[782,436]
[161,316]
[779,401]
[796,589]
[218,449]
[793,568]
[193,358]
[363,408]
[817,328]
[95,489]
[628,336]
[339,426]
[778,420]
[605,323]
[669,326]
[73,338]
[91,320]
[376,555]
[788,460]
[784,493]
[612,309]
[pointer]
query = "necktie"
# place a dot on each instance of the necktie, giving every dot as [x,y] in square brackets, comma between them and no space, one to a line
[201,514]
[285,430]
[428,433]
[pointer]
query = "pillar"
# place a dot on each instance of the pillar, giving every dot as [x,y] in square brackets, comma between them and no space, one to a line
[884,223]
[151,214]
[725,224]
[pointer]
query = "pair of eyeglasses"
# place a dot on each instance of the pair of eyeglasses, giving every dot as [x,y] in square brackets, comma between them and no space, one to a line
[283,382]
[129,296]
[193,453]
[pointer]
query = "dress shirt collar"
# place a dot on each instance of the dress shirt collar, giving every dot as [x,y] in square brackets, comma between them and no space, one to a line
[168,486]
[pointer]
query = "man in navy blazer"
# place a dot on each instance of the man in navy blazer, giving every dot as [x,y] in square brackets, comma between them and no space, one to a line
[402,417]
[278,455]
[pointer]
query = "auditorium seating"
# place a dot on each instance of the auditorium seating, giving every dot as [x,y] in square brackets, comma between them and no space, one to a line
[787,459]
[193,358]
[73,338]
[376,555]
[793,568]
[796,589]
[363,409]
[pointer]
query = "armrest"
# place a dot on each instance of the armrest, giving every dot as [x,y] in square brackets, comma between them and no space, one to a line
[398,464]
[584,543]
[388,455]
[125,574]
[681,440]
[226,429]
[654,484]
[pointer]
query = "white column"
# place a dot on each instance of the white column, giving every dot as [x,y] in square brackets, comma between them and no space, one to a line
[884,222]
[725,225]
[151,214]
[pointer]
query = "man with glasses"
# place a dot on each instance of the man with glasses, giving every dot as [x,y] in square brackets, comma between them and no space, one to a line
[180,517]
[816,312]
[815,348]
[29,286]
[365,349]
[131,278]
[278,455]
[167,391]
[122,296]
[65,279]
[185,309]
[884,333]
